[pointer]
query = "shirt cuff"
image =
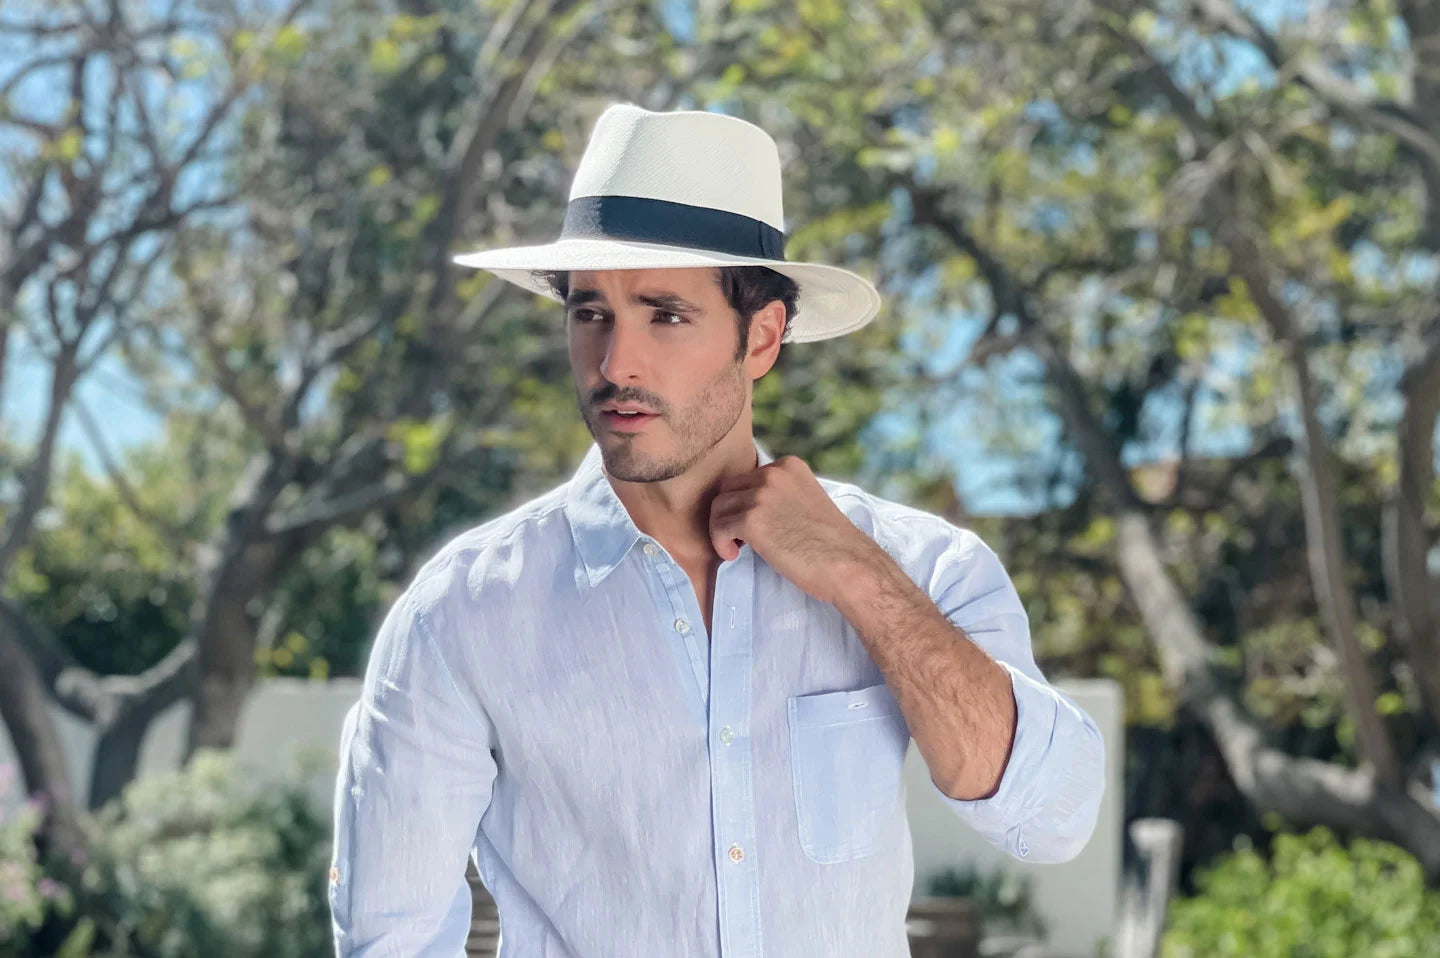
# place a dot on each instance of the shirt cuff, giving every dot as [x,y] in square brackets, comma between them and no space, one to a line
[1024,784]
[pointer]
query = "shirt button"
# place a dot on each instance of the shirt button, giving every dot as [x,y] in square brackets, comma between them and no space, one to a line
[726,735]
[334,873]
[651,549]
[735,853]
[681,625]
[1024,848]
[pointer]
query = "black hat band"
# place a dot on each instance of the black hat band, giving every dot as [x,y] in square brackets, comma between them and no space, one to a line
[673,224]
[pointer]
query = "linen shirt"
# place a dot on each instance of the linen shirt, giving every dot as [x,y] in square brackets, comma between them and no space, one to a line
[544,697]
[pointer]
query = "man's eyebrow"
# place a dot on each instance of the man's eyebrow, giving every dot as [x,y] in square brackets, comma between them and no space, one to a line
[577,297]
[670,301]
[667,301]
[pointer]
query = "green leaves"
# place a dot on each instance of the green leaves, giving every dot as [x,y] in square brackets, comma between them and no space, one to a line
[289,43]
[1311,898]
[420,440]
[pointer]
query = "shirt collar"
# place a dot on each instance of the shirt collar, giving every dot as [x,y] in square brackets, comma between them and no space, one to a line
[599,522]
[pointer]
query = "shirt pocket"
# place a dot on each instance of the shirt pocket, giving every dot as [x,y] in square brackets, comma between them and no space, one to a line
[847,758]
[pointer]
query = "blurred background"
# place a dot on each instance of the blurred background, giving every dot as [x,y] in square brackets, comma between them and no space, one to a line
[1160,324]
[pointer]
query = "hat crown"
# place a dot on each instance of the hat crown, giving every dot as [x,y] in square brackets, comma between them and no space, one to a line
[686,156]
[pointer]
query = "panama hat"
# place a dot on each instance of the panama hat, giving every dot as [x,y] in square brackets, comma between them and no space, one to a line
[683,188]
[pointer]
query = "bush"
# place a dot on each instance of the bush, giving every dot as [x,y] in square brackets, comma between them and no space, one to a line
[204,862]
[26,894]
[1313,899]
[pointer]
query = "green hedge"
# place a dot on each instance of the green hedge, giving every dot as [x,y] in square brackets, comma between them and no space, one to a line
[1313,898]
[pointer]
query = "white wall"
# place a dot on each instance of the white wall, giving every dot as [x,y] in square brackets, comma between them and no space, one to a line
[1077,898]
[281,716]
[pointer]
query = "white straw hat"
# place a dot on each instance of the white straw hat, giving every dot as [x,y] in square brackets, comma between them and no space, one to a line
[685,188]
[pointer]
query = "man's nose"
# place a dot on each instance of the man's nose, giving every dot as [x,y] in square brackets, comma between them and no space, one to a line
[624,351]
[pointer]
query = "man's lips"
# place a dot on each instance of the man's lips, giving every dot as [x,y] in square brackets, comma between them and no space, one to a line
[617,421]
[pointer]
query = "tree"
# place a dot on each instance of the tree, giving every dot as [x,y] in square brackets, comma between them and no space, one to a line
[1134,208]
[95,181]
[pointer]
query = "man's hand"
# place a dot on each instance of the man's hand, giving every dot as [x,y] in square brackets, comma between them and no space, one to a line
[785,515]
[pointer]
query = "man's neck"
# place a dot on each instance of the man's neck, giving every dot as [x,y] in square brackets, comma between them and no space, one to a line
[676,513]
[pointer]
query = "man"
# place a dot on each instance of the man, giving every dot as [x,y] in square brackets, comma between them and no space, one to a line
[666,705]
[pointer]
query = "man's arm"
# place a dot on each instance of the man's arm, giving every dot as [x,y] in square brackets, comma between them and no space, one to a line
[1010,754]
[416,772]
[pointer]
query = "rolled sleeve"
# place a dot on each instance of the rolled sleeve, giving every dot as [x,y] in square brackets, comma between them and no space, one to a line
[1049,795]
[416,775]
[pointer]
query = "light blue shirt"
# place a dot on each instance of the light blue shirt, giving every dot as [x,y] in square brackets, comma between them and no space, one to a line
[544,697]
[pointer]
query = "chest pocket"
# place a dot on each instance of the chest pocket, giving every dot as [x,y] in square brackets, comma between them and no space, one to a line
[847,755]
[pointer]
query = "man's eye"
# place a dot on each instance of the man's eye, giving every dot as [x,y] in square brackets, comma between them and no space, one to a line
[584,316]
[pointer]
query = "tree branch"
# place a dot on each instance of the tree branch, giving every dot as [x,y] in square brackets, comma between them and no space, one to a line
[1321,506]
[1340,94]
[172,533]
[1406,537]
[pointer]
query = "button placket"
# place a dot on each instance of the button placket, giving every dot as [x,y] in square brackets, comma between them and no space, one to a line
[732,775]
[672,591]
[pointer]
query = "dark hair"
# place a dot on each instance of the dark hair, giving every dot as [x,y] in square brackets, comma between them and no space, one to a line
[747,288]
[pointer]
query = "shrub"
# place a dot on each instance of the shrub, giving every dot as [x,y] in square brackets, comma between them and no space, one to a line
[204,862]
[1314,898]
[24,890]
[27,895]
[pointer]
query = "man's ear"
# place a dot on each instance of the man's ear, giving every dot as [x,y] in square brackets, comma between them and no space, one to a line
[767,326]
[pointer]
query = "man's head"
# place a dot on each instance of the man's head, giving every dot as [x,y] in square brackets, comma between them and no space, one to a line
[685,343]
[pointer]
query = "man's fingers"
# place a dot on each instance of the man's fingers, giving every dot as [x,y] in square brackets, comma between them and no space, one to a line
[721,536]
[727,523]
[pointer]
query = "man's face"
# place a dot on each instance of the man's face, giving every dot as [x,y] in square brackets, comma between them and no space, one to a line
[665,339]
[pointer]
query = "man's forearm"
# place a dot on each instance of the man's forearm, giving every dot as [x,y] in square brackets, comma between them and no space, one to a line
[957,700]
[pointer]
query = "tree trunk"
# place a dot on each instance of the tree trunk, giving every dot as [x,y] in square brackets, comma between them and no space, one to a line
[1406,536]
[227,644]
[24,708]
[117,755]
[1322,519]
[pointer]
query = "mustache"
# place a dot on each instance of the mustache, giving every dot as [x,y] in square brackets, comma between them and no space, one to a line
[605,400]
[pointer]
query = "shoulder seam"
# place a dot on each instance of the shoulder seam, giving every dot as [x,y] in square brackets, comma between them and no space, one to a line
[493,539]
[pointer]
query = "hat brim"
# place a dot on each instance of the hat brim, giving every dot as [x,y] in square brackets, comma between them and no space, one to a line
[832,302]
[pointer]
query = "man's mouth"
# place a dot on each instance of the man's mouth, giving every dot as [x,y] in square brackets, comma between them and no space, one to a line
[620,420]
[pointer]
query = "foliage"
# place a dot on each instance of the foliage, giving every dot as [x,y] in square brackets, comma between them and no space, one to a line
[102,580]
[26,893]
[1042,187]
[1001,897]
[327,604]
[206,860]
[1313,898]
